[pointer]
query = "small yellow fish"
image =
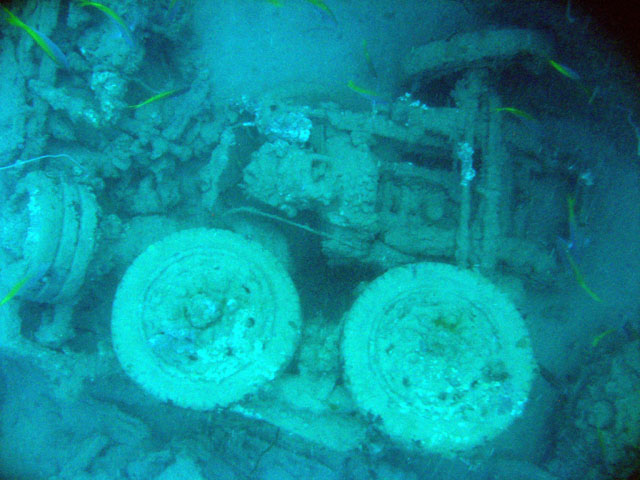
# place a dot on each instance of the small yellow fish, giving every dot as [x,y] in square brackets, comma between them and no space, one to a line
[124,28]
[14,290]
[575,76]
[159,96]
[564,70]
[514,111]
[50,48]
[597,338]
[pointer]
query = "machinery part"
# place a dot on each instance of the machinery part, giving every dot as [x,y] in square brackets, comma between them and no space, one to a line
[475,49]
[54,221]
[204,317]
[439,355]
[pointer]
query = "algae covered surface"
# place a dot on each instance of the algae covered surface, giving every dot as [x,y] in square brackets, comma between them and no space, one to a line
[345,239]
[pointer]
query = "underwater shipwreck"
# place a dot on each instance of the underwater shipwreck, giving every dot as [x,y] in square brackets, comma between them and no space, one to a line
[310,239]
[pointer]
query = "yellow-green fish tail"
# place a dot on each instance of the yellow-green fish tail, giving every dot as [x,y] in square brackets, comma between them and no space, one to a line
[580,278]
[323,6]
[601,441]
[596,340]
[14,290]
[514,111]
[367,57]
[571,207]
[361,90]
